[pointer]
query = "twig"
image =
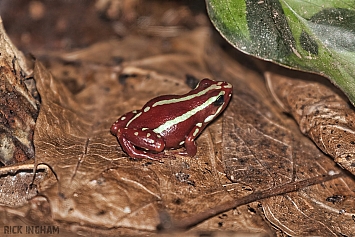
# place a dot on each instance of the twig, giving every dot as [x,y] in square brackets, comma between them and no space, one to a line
[192,221]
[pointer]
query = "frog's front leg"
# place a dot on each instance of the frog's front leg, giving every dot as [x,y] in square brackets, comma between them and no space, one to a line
[190,144]
[139,144]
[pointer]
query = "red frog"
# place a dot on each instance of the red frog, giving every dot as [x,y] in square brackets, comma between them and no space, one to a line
[171,121]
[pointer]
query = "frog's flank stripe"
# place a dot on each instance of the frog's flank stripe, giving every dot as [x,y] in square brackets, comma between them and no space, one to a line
[134,117]
[188,114]
[212,116]
[186,98]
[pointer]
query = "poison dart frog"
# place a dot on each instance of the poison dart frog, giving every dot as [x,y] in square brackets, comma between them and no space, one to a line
[171,121]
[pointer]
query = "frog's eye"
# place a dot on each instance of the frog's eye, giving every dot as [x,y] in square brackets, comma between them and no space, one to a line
[204,83]
[219,101]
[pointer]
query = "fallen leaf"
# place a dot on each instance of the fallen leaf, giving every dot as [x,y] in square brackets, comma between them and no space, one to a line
[263,148]
[18,108]
[91,168]
[72,137]
[91,187]
[322,112]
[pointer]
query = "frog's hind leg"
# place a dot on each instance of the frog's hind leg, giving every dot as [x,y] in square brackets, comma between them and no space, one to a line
[144,139]
[142,144]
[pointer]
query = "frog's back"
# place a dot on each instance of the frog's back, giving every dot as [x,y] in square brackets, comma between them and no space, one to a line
[151,116]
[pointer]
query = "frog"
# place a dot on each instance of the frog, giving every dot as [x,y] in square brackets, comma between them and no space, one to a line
[171,121]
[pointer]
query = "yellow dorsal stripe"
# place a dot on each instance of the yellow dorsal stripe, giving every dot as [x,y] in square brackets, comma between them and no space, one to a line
[186,98]
[187,115]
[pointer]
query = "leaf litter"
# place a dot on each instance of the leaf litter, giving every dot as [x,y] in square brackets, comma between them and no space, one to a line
[322,112]
[93,186]
[91,168]
[251,135]
[89,164]
[18,107]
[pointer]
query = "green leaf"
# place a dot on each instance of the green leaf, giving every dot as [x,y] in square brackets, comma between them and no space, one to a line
[310,35]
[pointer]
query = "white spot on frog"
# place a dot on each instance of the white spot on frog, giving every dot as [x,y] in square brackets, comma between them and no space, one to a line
[228,86]
[146,109]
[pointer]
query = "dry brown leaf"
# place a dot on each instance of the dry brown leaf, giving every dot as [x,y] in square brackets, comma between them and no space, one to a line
[322,112]
[183,186]
[93,185]
[18,108]
[72,137]
[18,184]
[18,113]
[262,148]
